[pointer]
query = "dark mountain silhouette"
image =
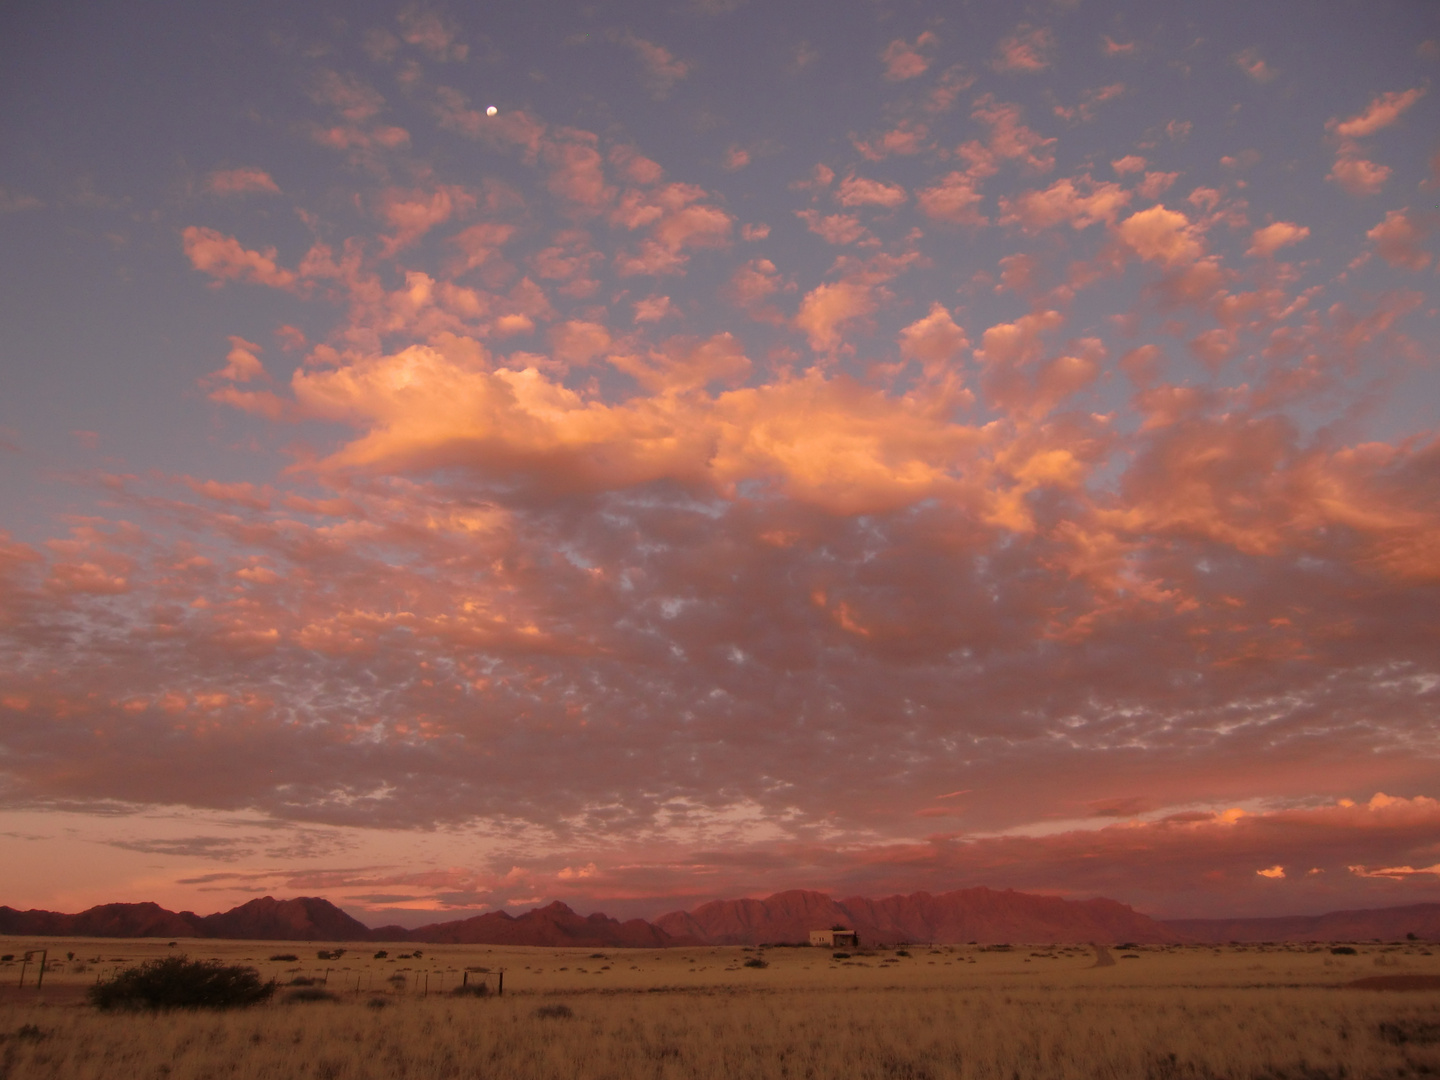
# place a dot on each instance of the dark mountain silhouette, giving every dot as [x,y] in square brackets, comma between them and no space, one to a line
[983,915]
[1388,924]
[106,920]
[555,924]
[306,918]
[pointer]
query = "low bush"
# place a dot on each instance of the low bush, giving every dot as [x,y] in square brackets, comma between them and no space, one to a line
[476,989]
[381,955]
[756,962]
[310,993]
[177,982]
[27,1033]
[1342,950]
[285,957]
[554,1012]
[840,956]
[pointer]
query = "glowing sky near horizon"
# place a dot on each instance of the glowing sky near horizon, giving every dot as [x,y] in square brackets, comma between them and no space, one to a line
[864,445]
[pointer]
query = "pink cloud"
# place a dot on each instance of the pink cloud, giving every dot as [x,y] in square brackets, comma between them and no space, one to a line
[1359,176]
[1128,164]
[906,138]
[858,191]
[653,309]
[240,182]
[411,214]
[1161,235]
[510,128]
[1253,64]
[1027,50]
[1384,110]
[1087,204]
[953,199]
[635,166]
[480,243]
[905,60]
[1265,242]
[1089,102]
[224,258]
[662,69]
[577,171]
[436,36]
[1010,140]
[935,340]
[683,364]
[751,286]
[826,308]
[242,362]
[1156,184]
[953,81]
[1397,239]
[579,343]
[834,228]
[677,221]
[351,98]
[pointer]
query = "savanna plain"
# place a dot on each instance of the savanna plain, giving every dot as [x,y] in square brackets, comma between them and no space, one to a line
[917,1013]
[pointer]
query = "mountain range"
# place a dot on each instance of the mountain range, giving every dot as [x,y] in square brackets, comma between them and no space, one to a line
[966,915]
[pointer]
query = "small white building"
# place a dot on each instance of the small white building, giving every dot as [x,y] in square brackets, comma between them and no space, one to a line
[831,939]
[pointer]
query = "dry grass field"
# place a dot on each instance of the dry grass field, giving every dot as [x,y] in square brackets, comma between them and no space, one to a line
[956,1011]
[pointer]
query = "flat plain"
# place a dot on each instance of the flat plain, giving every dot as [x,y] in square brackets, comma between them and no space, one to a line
[1015,1012]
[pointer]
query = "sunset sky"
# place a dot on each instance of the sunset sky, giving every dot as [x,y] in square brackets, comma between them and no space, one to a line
[862,445]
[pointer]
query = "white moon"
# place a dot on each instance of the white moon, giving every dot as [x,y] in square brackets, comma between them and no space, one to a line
[491,111]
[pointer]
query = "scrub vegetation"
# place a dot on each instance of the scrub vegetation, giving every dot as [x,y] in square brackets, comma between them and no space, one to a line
[1160,1012]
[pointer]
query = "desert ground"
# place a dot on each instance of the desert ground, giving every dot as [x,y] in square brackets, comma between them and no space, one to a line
[1016,1012]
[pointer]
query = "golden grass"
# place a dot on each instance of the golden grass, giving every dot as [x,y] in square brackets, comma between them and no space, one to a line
[954,1012]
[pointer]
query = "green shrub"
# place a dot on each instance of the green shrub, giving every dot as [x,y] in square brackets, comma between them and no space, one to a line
[176,982]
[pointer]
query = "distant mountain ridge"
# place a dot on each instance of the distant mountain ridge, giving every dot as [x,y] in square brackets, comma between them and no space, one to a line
[1422,920]
[979,914]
